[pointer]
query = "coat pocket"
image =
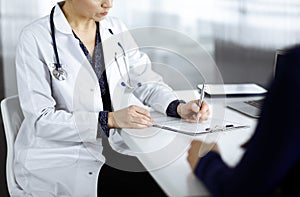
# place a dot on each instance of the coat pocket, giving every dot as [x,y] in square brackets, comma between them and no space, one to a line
[39,158]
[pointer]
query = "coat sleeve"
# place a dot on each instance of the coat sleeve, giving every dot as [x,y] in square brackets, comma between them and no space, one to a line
[153,92]
[37,102]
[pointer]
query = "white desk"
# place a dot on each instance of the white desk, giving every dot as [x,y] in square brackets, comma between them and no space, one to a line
[164,153]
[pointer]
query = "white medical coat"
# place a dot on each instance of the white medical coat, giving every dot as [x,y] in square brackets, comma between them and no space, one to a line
[57,150]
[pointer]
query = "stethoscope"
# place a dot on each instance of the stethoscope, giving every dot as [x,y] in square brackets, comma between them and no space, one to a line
[60,74]
[123,83]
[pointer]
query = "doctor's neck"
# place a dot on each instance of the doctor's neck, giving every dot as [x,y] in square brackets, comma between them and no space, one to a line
[77,21]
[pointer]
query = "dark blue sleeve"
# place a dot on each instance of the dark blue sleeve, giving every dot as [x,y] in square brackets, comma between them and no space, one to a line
[210,167]
[172,108]
[272,153]
[103,122]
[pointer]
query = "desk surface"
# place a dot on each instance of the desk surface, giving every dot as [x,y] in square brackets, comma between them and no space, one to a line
[164,153]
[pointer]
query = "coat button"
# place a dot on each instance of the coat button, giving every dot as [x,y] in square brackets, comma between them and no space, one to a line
[90,173]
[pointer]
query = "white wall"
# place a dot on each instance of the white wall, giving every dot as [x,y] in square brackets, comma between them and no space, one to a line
[15,14]
[258,23]
[256,28]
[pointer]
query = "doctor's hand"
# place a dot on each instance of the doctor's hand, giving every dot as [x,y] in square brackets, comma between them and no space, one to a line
[197,150]
[130,117]
[190,110]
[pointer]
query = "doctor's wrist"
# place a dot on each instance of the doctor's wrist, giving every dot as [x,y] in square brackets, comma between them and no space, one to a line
[172,109]
[179,109]
[110,120]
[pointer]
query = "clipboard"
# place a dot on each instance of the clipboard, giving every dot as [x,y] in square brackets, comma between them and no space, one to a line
[192,129]
[207,130]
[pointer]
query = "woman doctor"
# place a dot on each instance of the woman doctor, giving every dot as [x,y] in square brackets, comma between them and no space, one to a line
[66,91]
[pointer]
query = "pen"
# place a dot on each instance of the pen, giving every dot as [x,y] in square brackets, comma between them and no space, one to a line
[201,96]
[225,128]
[200,101]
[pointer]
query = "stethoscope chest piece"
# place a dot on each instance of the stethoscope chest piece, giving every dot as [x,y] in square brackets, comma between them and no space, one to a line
[60,74]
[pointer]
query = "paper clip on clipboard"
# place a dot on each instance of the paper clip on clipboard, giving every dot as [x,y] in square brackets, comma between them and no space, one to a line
[207,130]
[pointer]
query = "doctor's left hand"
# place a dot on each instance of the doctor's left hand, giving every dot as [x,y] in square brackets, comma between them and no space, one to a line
[189,111]
[130,117]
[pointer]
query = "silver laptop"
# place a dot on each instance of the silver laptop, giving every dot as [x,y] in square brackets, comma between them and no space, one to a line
[252,108]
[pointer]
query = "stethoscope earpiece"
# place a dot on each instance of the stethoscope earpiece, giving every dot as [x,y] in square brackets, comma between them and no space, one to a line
[129,86]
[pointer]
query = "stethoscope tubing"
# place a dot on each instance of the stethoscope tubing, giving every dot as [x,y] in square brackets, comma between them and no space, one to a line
[58,65]
[123,83]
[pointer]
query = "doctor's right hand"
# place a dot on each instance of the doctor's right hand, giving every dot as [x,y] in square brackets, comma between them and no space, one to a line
[130,117]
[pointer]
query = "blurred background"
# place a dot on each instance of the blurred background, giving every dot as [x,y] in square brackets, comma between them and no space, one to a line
[240,35]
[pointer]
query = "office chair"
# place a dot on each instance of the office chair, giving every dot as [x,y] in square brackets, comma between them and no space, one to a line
[12,116]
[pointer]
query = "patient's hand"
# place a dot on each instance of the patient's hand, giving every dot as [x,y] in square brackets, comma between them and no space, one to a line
[197,150]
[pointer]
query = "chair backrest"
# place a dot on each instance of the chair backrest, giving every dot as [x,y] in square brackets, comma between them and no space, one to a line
[12,116]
